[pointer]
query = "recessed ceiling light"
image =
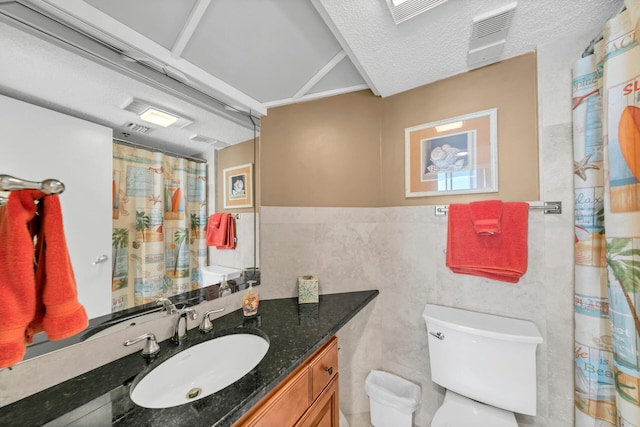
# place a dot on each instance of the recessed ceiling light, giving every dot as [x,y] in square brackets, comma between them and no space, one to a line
[397,2]
[158,117]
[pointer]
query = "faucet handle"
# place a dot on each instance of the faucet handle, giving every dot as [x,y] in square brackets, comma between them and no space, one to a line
[193,314]
[167,304]
[151,347]
[206,325]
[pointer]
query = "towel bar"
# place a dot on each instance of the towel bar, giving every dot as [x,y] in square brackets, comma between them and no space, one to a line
[548,207]
[48,186]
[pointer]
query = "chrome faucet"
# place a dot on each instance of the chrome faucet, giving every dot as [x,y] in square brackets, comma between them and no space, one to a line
[206,325]
[180,330]
[151,347]
[167,304]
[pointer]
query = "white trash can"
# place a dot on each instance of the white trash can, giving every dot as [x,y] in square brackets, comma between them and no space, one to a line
[392,399]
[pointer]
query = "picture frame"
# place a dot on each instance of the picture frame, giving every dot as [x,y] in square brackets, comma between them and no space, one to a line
[453,156]
[238,186]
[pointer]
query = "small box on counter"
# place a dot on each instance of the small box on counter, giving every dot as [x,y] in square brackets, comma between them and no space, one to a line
[307,289]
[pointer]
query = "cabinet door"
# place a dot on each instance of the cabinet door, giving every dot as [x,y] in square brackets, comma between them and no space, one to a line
[325,411]
[284,407]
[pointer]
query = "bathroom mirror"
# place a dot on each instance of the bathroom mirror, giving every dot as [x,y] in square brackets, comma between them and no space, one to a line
[244,260]
[84,78]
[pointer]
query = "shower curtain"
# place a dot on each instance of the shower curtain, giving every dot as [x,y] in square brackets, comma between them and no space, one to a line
[159,223]
[606,128]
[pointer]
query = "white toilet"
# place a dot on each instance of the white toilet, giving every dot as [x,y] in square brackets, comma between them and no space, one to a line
[486,363]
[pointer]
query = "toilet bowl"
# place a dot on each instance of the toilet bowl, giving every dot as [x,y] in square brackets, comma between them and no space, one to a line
[458,410]
[486,364]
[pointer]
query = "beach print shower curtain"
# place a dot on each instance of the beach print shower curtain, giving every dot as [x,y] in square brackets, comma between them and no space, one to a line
[159,223]
[606,125]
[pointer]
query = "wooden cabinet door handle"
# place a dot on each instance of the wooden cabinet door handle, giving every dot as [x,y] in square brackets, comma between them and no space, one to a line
[329,370]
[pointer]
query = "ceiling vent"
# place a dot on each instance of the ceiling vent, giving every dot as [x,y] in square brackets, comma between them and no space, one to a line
[218,145]
[214,143]
[402,10]
[489,35]
[138,106]
[134,127]
[202,138]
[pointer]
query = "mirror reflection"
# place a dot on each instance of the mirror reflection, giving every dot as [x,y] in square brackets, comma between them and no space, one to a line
[160,216]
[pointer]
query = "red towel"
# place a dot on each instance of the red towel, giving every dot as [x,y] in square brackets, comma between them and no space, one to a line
[486,216]
[502,257]
[221,231]
[35,298]
[58,311]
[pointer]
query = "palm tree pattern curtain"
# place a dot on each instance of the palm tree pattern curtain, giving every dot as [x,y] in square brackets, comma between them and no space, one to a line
[606,127]
[159,218]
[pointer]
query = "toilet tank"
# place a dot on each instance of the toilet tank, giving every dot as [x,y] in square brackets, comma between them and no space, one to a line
[488,358]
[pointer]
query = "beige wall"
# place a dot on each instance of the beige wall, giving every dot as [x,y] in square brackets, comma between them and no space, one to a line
[348,150]
[322,153]
[510,86]
[236,155]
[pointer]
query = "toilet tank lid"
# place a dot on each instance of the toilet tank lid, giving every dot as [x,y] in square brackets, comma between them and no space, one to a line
[482,324]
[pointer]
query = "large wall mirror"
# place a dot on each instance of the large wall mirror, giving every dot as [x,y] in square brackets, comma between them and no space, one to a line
[66,97]
[236,266]
[43,151]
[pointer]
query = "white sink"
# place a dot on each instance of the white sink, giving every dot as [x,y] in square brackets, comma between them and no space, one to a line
[200,371]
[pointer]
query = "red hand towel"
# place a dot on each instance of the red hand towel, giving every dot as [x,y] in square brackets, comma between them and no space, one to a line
[58,311]
[31,305]
[17,281]
[486,216]
[502,257]
[231,235]
[217,232]
[221,231]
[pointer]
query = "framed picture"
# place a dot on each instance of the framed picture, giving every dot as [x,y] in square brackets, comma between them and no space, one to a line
[238,186]
[452,156]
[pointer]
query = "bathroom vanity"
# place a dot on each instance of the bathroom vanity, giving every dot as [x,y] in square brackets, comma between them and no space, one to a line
[308,397]
[302,357]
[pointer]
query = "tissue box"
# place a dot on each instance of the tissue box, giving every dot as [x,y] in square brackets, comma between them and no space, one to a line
[307,289]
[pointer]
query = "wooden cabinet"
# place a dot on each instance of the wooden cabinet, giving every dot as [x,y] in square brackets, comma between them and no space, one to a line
[308,397]
[324,412]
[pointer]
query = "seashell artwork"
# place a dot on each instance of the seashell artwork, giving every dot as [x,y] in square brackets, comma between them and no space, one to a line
[446,159]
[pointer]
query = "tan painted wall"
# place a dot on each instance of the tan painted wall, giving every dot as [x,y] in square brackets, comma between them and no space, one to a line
[348,150]
[322,153]
[236,155]
[511,87]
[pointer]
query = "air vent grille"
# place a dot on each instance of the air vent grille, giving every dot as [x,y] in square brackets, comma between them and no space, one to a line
[201,138]
[492,25]
[135,127]
[489,35]
[411,8]
[136,106]
[219,145]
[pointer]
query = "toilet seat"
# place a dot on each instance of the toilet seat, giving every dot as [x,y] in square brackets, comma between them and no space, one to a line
[459,411]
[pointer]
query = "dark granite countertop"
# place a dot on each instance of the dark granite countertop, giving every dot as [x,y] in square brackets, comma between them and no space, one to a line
[101,396]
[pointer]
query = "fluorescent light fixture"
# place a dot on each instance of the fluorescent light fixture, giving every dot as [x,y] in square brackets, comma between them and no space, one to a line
[397,2]
[158,117]
[449,126]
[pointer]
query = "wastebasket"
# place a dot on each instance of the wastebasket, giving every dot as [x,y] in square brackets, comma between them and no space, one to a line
[392,399]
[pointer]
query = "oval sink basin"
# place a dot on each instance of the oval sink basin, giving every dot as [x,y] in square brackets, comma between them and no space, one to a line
[198,371]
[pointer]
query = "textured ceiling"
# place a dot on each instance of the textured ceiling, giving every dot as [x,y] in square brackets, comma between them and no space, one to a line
[89,58]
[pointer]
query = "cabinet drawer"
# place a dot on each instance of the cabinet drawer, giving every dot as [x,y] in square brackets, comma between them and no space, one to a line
[323,368]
